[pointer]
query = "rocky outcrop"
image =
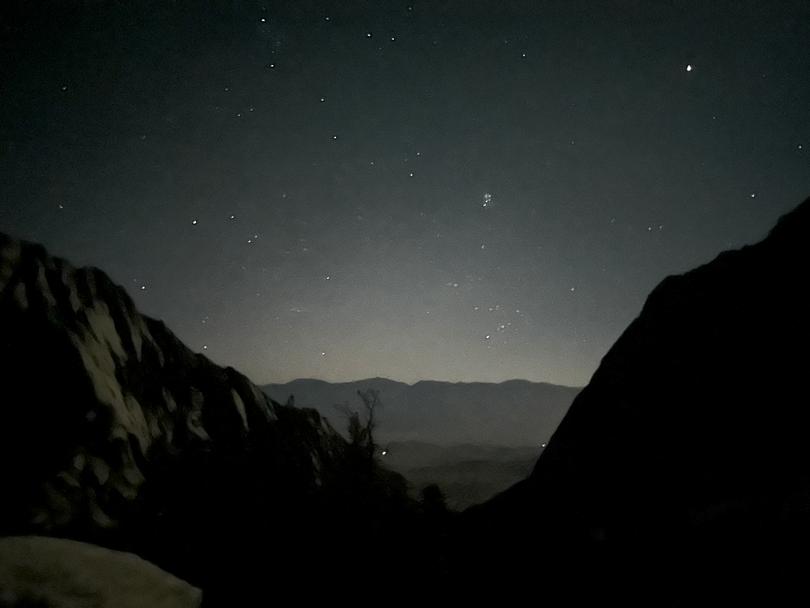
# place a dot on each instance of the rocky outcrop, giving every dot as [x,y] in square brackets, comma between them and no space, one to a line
[114,432]
[58,573]
[94,393]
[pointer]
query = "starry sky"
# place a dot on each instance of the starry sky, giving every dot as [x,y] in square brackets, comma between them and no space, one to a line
[453,190]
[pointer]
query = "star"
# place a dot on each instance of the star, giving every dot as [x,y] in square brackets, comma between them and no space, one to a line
[193,222]
[689,67]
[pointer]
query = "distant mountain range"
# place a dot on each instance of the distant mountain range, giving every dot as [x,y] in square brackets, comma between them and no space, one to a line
[516,413]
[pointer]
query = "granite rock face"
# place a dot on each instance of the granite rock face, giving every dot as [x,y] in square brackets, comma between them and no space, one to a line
[113,432]
[94,392]
[59,573]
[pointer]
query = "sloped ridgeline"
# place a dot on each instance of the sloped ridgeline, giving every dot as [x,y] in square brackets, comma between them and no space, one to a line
[681,473]
[113,432]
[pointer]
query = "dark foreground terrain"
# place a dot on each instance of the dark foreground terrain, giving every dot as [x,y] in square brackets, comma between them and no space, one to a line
[680,476]
[466,474]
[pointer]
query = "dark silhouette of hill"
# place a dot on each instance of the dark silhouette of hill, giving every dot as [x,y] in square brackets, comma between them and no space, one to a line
[467,474]
[113,432]
[681,473]
[516,413]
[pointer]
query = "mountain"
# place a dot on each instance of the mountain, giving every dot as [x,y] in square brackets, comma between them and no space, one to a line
[515,413]
[681,473]
[114,432]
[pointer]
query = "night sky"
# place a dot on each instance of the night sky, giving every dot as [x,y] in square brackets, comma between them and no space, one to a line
[417,190]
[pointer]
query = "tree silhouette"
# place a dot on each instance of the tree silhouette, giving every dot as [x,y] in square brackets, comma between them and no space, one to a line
[361,433]
[433,501]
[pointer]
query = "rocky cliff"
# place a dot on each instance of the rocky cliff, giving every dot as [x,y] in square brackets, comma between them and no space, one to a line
[112,431]
[687,456]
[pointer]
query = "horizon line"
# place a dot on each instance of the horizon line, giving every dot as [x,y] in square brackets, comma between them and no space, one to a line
[372,378]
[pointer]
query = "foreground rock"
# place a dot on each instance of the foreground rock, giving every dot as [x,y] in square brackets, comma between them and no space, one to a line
[58,573]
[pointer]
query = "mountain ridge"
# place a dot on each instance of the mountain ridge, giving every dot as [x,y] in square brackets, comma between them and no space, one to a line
[426,380]
[515,413]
